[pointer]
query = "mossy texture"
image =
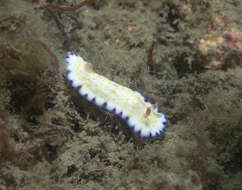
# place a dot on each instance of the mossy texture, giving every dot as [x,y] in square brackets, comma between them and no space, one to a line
[23,62]
[183,55]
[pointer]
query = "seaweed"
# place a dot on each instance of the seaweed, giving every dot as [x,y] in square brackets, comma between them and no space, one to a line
[23,64]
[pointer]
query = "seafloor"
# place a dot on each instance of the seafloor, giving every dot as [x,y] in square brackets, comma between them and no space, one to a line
[184,55]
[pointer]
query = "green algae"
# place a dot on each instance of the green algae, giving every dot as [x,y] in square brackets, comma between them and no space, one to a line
[203,106]
[23,61]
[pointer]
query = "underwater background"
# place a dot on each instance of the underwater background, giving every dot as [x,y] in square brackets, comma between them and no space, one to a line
[183,55]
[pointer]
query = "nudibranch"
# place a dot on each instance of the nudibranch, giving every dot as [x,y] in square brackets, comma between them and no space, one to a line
[144,118]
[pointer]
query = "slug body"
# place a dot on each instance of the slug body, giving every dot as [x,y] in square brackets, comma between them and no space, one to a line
[143,117]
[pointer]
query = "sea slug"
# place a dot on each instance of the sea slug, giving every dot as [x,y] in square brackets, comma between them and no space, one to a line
[143,117]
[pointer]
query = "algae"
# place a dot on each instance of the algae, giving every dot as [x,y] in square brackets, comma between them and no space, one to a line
[64,142]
